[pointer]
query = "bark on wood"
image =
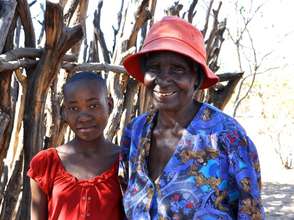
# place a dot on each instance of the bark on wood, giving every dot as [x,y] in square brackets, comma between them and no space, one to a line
[78,17]
[93,52]
[174,10]
[191,11]
[4,123]
[6,114]
[24,12]
[129,106]
[42,31]
[73,67]
[116,30]
[69,10]
[3,181]
[12,59]
[10,35]
[7,103]
[118,83]
[207,18]
[220,94]
[27,52]
[12,191]
[99,33]
[55,115]
[7,11]
[58,40]
[142,15]
[19,118]
[215,40]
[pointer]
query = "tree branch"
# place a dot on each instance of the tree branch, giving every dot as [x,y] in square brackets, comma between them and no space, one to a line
[99,33]
[6,16]
[23,10]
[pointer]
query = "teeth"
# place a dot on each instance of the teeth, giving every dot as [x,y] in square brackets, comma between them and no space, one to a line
[164,93]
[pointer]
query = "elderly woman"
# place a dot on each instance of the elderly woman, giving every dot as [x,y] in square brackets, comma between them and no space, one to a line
[185,159]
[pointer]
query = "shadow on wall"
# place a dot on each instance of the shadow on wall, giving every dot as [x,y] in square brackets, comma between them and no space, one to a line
[278,201]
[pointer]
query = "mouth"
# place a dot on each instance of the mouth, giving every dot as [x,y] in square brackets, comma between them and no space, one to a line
[86,129]
[163,94]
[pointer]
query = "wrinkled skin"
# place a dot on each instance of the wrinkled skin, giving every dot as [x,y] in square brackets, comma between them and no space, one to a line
[170,79]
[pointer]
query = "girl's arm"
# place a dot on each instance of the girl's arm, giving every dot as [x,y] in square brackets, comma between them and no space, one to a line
[39,208]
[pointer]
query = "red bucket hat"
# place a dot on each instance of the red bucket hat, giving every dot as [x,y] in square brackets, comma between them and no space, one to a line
[177,35]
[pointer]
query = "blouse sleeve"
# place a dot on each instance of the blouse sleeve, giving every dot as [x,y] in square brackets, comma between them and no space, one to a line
[244,167]
[124,156]
[39,171]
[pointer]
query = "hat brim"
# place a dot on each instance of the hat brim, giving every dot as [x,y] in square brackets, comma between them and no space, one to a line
[133,62]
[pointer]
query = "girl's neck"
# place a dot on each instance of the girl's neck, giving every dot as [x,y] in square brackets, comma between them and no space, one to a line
[83,146]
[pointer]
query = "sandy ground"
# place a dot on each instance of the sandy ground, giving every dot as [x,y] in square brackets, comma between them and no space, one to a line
[278,190]
[278,185]
[278,200]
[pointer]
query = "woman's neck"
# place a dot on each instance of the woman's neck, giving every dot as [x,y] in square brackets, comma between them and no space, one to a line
[182,117]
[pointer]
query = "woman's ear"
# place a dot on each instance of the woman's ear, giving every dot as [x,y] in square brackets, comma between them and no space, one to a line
[110,103]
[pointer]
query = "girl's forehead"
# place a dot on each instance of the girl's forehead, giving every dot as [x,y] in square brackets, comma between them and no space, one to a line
[84,89]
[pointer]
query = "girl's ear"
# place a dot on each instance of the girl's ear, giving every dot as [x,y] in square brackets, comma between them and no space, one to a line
[63,113]
[110,103]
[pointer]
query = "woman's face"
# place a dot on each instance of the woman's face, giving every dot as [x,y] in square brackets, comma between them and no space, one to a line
[170,79]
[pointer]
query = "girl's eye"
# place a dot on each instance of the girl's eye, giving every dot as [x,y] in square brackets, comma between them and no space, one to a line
[93,106]
[74,109]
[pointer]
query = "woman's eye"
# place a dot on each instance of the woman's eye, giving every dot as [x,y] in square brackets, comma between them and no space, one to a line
[178,70]
[152,69]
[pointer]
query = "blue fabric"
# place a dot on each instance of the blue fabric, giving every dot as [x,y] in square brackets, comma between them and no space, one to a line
[213,174]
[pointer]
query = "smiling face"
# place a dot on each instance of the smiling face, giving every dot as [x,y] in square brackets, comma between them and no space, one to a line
[170,79]
[86,108]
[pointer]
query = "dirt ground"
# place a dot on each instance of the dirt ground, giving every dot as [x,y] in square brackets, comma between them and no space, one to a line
[278,183]
[278,200]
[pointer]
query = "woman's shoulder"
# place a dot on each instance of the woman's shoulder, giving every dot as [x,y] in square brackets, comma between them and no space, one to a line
[210,110]
[214,120]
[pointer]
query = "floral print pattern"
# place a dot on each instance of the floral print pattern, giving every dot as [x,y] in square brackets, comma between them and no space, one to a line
[213,174]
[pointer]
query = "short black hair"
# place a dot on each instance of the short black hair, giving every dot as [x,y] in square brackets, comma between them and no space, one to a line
[79,76]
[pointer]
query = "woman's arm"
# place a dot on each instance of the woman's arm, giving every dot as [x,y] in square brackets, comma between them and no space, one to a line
[39,208]
[245,168]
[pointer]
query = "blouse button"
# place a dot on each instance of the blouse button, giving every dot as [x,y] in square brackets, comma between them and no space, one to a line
[89,198]
[88,214]
[84,198]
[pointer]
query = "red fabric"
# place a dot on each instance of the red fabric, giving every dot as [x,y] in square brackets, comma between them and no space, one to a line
[70,198]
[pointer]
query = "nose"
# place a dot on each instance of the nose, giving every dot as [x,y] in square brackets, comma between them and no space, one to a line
[163,77]
[83,116]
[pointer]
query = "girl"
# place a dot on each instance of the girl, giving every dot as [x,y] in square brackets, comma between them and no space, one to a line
[78,180]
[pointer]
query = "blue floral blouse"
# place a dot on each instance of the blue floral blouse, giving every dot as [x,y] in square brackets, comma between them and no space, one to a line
[213,174]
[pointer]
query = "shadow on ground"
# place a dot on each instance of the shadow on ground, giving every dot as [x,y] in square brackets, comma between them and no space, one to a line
[278,200]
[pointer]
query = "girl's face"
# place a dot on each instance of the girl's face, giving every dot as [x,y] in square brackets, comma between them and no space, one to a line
[86,109]
[170,79]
